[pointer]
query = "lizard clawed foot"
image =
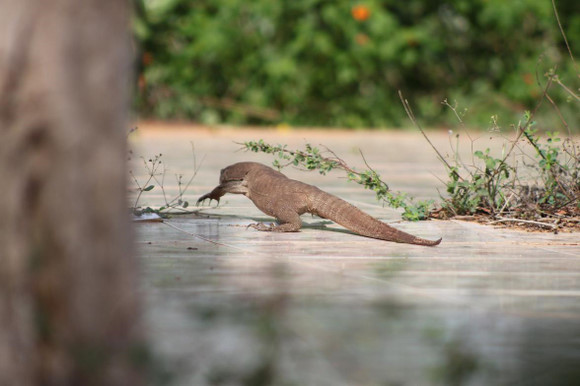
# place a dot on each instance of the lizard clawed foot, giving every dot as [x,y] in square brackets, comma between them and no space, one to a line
[261,227]
[205,197]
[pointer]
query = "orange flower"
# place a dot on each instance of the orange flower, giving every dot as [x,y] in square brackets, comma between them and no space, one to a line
[360,12]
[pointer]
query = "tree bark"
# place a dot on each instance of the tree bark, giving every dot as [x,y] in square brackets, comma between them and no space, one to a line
[68,290]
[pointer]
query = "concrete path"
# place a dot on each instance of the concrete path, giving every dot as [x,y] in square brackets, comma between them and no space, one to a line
[233,306]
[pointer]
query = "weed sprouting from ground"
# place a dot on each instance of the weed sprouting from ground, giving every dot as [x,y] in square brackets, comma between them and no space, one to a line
[155,171]
[535,182]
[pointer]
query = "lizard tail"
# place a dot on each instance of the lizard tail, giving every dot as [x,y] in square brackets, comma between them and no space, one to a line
[330,207]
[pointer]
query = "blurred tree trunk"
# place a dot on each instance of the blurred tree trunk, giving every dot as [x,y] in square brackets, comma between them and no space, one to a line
[68,290]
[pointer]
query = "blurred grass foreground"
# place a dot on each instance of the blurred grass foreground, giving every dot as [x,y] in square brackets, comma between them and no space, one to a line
[341,63]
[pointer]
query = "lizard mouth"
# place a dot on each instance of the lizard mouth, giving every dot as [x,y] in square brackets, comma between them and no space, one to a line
[231,181]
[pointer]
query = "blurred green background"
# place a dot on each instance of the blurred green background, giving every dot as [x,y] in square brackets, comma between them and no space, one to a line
[341,63]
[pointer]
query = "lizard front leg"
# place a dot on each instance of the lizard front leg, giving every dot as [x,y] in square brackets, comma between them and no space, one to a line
[215,194]
[235,187]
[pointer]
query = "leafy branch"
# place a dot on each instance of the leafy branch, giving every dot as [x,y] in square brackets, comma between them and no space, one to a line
[311,158]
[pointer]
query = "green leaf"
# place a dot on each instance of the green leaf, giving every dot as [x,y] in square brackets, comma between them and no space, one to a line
[150,187]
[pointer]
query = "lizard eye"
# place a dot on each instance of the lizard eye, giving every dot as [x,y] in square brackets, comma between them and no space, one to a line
[224,177]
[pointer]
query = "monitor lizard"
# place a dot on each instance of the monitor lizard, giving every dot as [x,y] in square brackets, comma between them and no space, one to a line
[286,199]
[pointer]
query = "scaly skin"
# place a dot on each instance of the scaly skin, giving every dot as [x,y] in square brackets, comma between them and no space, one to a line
[286,199]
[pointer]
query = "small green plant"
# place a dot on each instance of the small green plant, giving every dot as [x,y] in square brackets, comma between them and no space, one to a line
[543,190]
[155,171]
[151,165]
[557,178]
[482,190]
[311,158]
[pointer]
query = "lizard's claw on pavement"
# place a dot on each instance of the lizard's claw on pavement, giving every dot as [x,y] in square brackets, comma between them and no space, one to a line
[260,226]
[205,197]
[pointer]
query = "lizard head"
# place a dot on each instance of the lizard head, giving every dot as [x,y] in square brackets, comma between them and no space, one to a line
[237,172]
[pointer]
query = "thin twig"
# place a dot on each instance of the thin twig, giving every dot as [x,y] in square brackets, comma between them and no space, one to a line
[557,109]
[341,163]
[411,116]
[459,119]
[181,190]
[521,129]
[566,88]
[563,34]
[457,157]
[151,172]
[507,219]
[161,185]
[373,170]
[131,130]
[506,202]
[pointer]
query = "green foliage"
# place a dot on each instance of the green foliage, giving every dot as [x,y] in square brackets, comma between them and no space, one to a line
[483,189]
[318,62]
[495,187]
[311,158]
[558,180]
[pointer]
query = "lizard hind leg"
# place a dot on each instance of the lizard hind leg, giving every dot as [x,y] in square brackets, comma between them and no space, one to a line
[261,226]
[291,223]
[287,227]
